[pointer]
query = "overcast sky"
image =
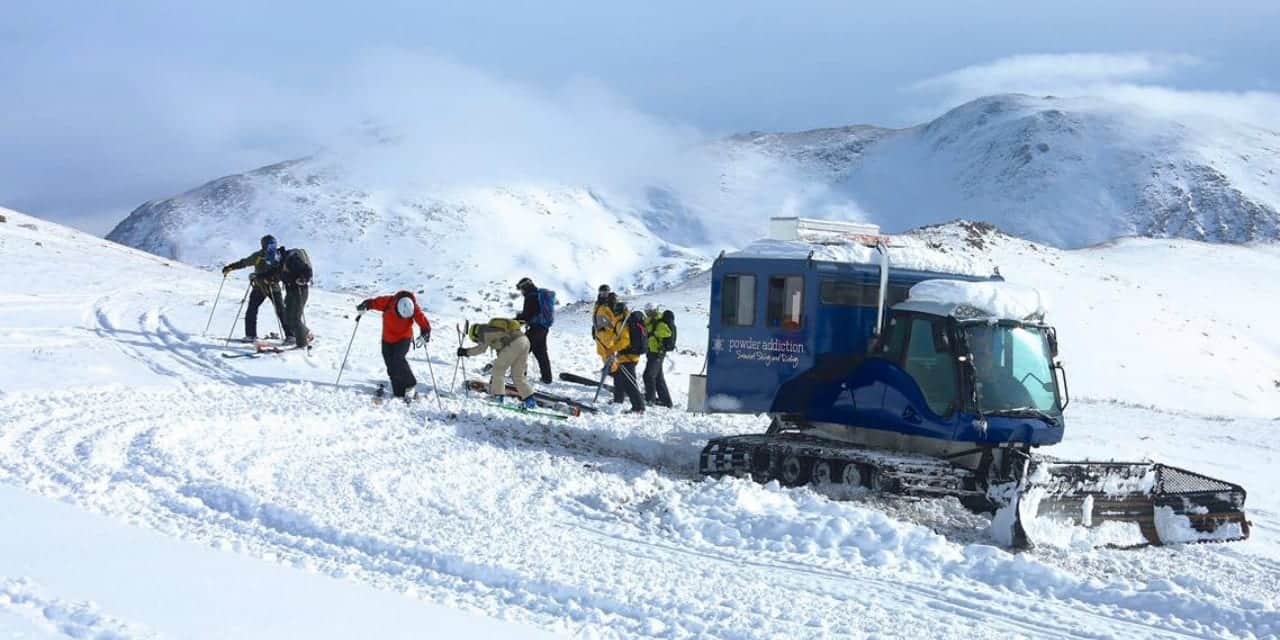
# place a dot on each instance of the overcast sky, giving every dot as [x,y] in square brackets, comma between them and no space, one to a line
[104,105]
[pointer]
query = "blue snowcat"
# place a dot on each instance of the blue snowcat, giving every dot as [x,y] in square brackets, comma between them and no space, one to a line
[902,379]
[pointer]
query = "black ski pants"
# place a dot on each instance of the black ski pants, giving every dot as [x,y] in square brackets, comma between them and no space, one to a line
[396,357]
[295,308]
[538,347]
[624,383]
[655,383]
[257,296]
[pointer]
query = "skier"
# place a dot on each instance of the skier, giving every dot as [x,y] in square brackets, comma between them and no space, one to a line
[296,272]
[660,325]
[399,313]
[606,315]
[505,337]
[264,283]
[621,346]
[538,314]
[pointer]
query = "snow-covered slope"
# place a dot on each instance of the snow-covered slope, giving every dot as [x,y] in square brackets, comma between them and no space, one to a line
[452,242]
[112,400]
[1066,172]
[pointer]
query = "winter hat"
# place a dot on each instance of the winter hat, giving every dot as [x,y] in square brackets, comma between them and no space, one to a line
[525,283]
[404,305]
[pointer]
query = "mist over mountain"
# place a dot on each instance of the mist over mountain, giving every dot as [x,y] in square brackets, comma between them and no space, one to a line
[1064,172]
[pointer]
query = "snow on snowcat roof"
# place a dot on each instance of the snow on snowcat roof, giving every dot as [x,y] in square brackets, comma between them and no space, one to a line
[991,300]
[904,253]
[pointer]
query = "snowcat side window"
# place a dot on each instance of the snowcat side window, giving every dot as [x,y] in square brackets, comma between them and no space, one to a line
[930,363]
[786,302]
[892,348]
[738,300]
[841,293]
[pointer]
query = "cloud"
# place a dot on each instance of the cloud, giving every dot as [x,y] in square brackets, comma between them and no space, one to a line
[1143,80]
[398,122]
[1014,73]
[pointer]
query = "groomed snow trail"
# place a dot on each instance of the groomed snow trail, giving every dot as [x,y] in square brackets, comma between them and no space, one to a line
[564,527]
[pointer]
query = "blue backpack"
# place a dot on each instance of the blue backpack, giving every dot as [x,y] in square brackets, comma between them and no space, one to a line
[546,309]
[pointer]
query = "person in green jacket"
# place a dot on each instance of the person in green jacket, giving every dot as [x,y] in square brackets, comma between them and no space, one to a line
[660,327]
[265,283]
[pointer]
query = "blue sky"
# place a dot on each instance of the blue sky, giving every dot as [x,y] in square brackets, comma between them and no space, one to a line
[112,104]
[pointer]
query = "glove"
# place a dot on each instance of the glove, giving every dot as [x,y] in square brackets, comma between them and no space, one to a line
[462,352]
[226,269]
[426,336]
[364,305]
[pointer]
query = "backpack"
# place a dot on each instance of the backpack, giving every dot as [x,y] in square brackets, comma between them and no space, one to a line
[639,336]
[512,327]
[669,344]
[298,264]
[546,309]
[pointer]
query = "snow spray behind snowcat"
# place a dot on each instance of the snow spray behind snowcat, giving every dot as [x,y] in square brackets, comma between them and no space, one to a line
[922,380]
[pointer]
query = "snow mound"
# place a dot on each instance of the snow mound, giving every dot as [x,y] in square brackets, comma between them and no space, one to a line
[995,300]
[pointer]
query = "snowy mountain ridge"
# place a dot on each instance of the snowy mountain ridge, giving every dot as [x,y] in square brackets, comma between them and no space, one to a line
[1068,172]
[1063,172]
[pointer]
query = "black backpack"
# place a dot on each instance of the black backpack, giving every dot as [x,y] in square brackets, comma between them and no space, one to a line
[639,337]
[669,344]
[297,264]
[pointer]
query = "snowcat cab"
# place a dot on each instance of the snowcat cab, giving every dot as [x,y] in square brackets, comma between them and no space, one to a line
[919,382]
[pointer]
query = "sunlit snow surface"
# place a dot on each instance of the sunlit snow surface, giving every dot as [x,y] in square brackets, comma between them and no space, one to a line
[113,401]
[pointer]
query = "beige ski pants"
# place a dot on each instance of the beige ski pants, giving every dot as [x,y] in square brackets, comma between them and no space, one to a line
[516,358]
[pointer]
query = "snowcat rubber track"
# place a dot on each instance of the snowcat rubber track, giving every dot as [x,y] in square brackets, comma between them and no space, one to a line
[1151,495]
[793,459]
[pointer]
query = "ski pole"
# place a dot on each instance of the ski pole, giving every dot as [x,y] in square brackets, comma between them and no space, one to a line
[348,353]
[608,366]
[465,387]
[237,318]
[215,304]
[432,370]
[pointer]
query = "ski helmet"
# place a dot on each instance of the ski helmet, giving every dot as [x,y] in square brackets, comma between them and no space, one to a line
[404,307]
[525,283]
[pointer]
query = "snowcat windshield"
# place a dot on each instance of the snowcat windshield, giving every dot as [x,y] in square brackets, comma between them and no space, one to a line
[1013,369]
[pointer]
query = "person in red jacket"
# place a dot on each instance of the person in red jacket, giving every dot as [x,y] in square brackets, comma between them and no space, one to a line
[399,313]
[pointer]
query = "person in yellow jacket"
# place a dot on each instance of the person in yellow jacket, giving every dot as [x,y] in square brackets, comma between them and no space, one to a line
[506,338]
[620,345]
[661,331]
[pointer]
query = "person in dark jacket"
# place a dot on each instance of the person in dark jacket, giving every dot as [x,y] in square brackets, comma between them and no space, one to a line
[296,272]
[535,331]
[399,313]
[264,283]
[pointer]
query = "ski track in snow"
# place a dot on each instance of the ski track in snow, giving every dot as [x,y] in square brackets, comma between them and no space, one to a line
[597,526]
[69,619]
[531,517]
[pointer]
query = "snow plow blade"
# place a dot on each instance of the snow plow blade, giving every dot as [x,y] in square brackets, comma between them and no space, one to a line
[1169,505]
